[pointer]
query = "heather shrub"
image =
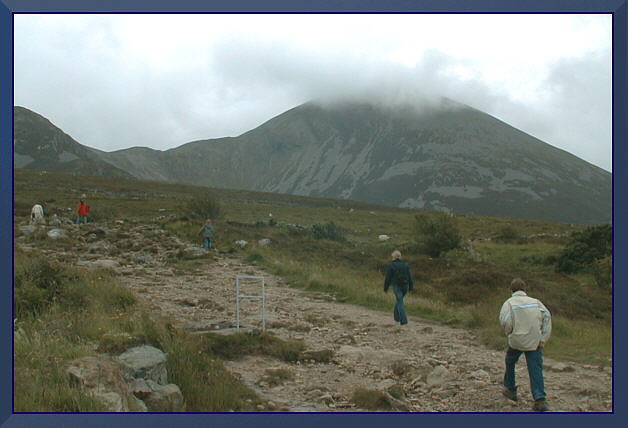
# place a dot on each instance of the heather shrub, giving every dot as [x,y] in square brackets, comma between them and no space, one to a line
[204,206]
[329,231]
[585,248]
[437,233]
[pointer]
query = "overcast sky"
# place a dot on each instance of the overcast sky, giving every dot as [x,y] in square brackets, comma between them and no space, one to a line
[117,81]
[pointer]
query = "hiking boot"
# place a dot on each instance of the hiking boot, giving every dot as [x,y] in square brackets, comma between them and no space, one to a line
[510,394]
[540,405]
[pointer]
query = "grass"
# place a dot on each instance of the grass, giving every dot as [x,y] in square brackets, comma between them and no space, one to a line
[89,312]
[463,288]
[371,399]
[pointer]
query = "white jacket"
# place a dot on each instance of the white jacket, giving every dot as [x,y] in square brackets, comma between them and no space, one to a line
[526,321]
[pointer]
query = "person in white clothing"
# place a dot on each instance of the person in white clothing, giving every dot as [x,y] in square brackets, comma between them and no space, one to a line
[528,324]
[37,214]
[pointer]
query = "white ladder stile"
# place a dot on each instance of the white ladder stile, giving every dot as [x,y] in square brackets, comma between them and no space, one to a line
[261,297]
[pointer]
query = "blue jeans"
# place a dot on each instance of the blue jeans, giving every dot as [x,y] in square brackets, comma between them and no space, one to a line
[207,243]
[400,312]
[81,219]
[534,360]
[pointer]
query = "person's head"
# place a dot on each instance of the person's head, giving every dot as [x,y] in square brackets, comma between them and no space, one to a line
[396,255]
[208,221]
[83,197]
[517,284]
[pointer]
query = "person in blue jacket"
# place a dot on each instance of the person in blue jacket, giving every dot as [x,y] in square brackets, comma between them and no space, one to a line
[399,276]
[207,233]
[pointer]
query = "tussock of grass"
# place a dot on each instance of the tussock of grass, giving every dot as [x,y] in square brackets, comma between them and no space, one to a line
[238,345]
[371,399]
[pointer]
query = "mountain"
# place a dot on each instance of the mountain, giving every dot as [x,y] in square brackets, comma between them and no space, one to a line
[449,157]
[40,145]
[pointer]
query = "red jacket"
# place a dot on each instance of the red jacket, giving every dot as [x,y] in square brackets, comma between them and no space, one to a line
[82,209]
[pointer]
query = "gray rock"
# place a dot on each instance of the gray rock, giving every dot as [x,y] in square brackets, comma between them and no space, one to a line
[100,263]
[241,243]
[104,380]
[264,242]
[480,375]
[57,233]
[99,246]
[145,362]
[157,398]
[438,376]
[559,367]
[195,251]
[27,230]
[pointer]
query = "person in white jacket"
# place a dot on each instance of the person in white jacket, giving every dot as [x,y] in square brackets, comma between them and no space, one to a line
[528,324]
[37,214]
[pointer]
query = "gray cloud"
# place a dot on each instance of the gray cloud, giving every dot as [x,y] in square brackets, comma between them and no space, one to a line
[109,99]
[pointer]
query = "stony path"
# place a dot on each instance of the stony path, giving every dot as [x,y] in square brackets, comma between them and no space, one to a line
[428,367]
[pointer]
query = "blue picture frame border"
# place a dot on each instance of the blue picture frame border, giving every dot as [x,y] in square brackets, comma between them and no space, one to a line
[8,8]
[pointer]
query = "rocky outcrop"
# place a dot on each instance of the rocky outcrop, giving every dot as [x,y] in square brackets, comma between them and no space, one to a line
[136,381]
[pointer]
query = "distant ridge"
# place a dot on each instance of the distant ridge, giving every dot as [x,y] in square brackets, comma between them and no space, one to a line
[450,157]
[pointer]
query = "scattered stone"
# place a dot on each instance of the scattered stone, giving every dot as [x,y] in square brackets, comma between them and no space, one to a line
[241,243]
[438,376]
[27,230]
[560,367]
[383,237]
[264,242]
[57,233]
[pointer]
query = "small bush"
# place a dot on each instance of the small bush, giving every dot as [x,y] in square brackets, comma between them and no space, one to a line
[204,206]
[39,282]
[508,233]
[437,233]
[603,273]
[585,248]
[330,231]
[371,399]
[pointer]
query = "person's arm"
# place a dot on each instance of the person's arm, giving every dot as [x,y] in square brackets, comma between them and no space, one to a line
[546,324]
[505,317]
[388,278]
[410,281]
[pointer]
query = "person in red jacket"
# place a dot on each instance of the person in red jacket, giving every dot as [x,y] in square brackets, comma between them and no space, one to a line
[82,211]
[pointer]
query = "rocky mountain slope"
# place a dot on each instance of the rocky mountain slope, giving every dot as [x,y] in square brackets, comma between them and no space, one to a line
[40,145]
[449,157]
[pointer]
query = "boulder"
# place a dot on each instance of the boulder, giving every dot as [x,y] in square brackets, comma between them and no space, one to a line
[264,242]
[241,243]
[57,233]
[165,398]
[383,237]
[438,376]
[99,246]
[157,398]
[27,230]
[144,362]
[195,251]
[100,263]
[104,380]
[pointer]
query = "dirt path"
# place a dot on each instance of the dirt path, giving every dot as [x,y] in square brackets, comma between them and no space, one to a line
[428,367]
